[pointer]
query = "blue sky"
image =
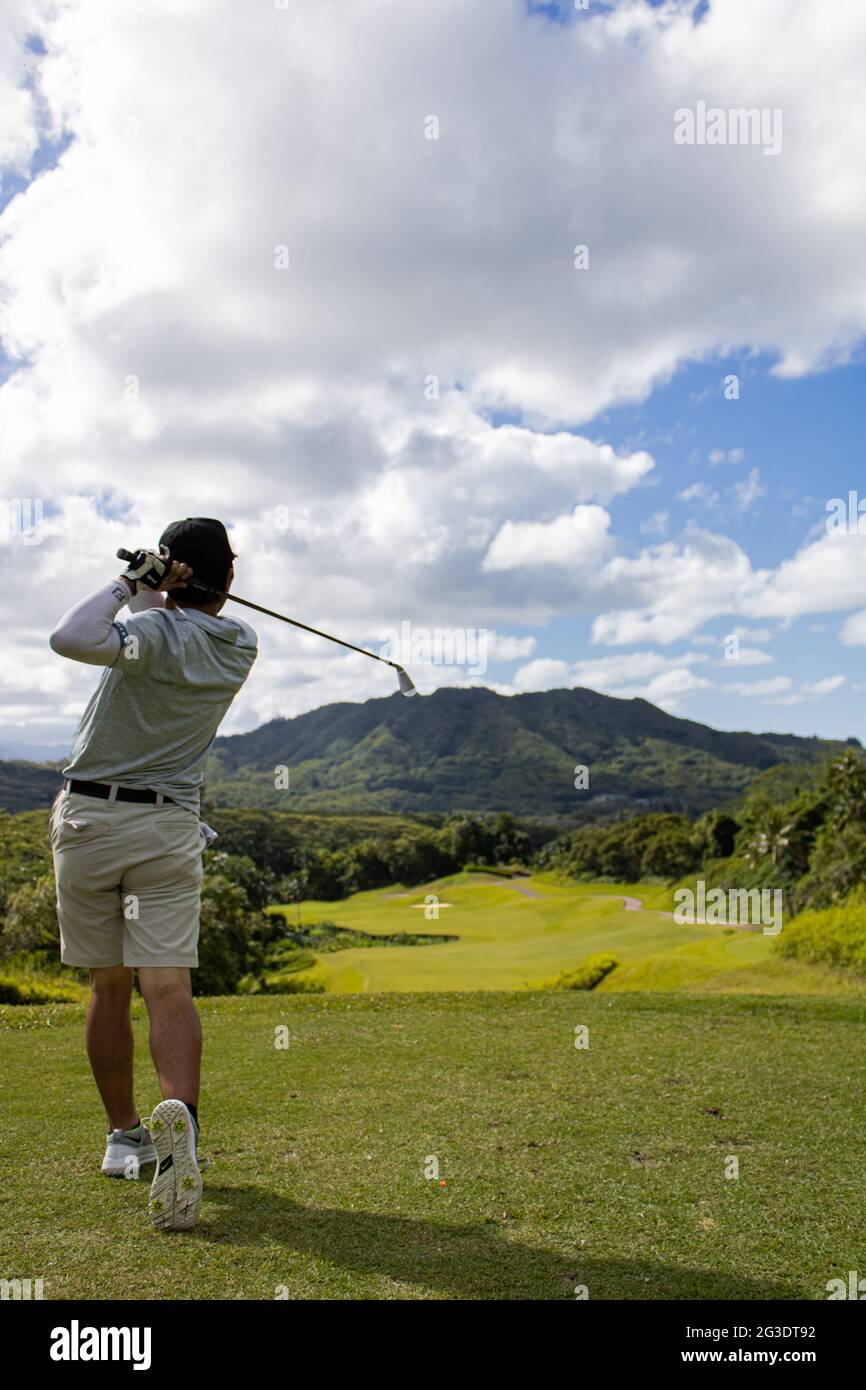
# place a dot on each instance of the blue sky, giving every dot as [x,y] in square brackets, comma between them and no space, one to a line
[568,12]
[806,439]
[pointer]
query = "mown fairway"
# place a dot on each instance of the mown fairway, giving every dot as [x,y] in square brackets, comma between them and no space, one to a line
[603,1167]
[517,933]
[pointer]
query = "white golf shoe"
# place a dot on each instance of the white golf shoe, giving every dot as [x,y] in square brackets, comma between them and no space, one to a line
[126,1151]
[175,1194]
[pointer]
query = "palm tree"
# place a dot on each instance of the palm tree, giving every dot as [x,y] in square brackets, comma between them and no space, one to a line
[769,836]
[846,780]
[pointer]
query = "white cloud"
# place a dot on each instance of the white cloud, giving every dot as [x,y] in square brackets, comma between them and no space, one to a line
[611,672]
[699,492]
[378,277]
[667,592]
[664,680]
[542,674]
[502,646]
[749,656]
[23,120]
[655,525]
[853,630]
[748,492]
[778,690]
[752,634]
[717,456]
[149,253]
[580,541]
[823,687]
[669,689]
[774,686]
[824,576]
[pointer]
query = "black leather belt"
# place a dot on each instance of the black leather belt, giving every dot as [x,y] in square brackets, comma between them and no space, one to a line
[103,790]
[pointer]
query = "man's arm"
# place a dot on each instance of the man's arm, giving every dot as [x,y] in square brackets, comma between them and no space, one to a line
[88,632]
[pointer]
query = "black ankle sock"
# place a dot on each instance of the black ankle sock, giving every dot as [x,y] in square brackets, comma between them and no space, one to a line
[193,1110]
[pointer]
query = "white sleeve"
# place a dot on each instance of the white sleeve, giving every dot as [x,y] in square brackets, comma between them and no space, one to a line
[87,631]
[146,598]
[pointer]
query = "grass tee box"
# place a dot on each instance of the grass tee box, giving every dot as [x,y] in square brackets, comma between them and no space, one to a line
[526,930]
[556,1168]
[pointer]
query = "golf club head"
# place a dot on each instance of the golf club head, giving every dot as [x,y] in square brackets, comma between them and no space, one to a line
[406,686]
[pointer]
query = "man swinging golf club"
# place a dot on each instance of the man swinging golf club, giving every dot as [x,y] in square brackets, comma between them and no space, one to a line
[127,839]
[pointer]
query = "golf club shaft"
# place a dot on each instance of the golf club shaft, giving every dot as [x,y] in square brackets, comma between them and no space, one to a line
[295,623]
[129,556]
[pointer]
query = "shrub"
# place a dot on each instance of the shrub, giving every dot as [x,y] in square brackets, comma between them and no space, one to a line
[322,876]
[834,936]
[837,866]
[270,840]
[714,835]
[249,984]
[418,858]
[497,870]
[587,975]
[365,866]
[259,884]
[288,959]
[668,854]
[290,984]
[658,844]
[31,919]
[223,949]
[38,989]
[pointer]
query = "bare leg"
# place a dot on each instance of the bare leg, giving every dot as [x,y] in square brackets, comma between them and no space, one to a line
[109,1042]
[175,1030]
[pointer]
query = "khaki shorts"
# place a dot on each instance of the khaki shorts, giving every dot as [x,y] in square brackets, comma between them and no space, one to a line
[128,881]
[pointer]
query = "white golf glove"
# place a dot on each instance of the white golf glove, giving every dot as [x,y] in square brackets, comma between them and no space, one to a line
[147,570]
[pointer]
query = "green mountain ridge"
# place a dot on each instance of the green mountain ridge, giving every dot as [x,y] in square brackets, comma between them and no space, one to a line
[26,786]
[472,749]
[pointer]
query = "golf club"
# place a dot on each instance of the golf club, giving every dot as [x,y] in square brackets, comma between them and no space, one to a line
[406,685]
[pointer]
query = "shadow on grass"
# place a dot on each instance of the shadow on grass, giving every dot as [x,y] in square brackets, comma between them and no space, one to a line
[475,1261]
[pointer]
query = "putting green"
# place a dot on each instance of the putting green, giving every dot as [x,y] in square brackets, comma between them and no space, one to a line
[517,933]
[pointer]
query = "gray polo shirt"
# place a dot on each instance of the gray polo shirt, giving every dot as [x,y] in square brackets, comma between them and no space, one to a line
[155,713]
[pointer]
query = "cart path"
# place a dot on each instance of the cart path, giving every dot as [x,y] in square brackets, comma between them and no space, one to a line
[636,905]
[506,883]
[518,888]
[633,904]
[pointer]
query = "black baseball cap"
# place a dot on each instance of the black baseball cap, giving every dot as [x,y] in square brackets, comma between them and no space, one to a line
[203,543]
